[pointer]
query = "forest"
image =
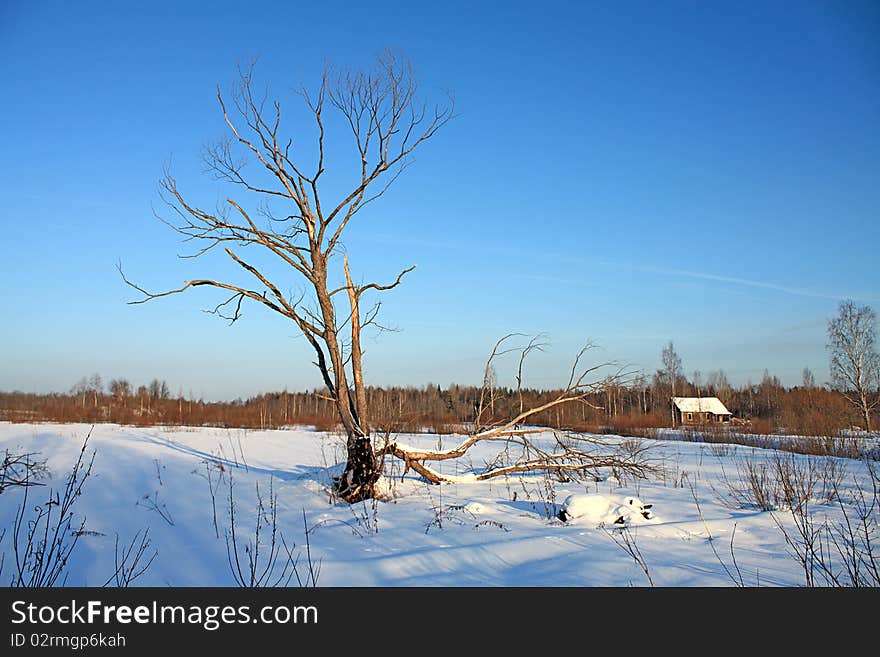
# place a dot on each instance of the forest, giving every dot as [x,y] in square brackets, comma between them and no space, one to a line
[643,403]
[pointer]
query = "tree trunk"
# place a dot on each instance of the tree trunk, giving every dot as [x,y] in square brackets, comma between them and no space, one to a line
[361,472]
[357,374]
[358,481]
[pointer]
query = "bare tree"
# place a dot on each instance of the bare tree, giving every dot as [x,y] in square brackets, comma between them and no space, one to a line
[81,389]
[808,381]
[158,390]
[92,386]
[143,396]
[718,383]
[855,364]
[293,225]
[570,452]
[671,370]
[120,389]
[96,386]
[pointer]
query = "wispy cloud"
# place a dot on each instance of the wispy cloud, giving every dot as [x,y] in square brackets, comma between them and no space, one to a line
[748,282]
[495,249]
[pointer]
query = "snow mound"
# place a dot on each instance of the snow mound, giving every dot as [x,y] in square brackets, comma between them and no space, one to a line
[384,489]
[475,508]
[603,510]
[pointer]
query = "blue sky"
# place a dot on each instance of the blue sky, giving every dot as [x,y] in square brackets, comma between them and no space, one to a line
[702,172]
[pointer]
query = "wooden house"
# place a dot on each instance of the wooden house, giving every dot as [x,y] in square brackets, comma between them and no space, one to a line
[700,410]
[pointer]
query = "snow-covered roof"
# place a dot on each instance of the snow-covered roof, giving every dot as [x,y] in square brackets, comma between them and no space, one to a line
[700,405]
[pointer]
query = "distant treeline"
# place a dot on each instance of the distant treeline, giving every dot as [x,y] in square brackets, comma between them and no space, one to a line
[766,407]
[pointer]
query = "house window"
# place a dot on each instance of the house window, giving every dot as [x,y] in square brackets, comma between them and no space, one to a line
[690,416]
[709,417]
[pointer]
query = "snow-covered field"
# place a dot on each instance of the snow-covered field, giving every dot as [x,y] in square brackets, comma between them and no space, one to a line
[501,532]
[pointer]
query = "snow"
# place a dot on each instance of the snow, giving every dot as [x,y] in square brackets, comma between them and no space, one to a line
[501,532]
[601,510]
[475,508]
[700,405]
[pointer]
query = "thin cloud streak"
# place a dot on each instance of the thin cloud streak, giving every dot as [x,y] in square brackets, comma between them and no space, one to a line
[705,276]
[746,282]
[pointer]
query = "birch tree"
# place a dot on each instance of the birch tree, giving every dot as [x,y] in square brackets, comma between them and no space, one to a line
[671,370]
[855,364]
